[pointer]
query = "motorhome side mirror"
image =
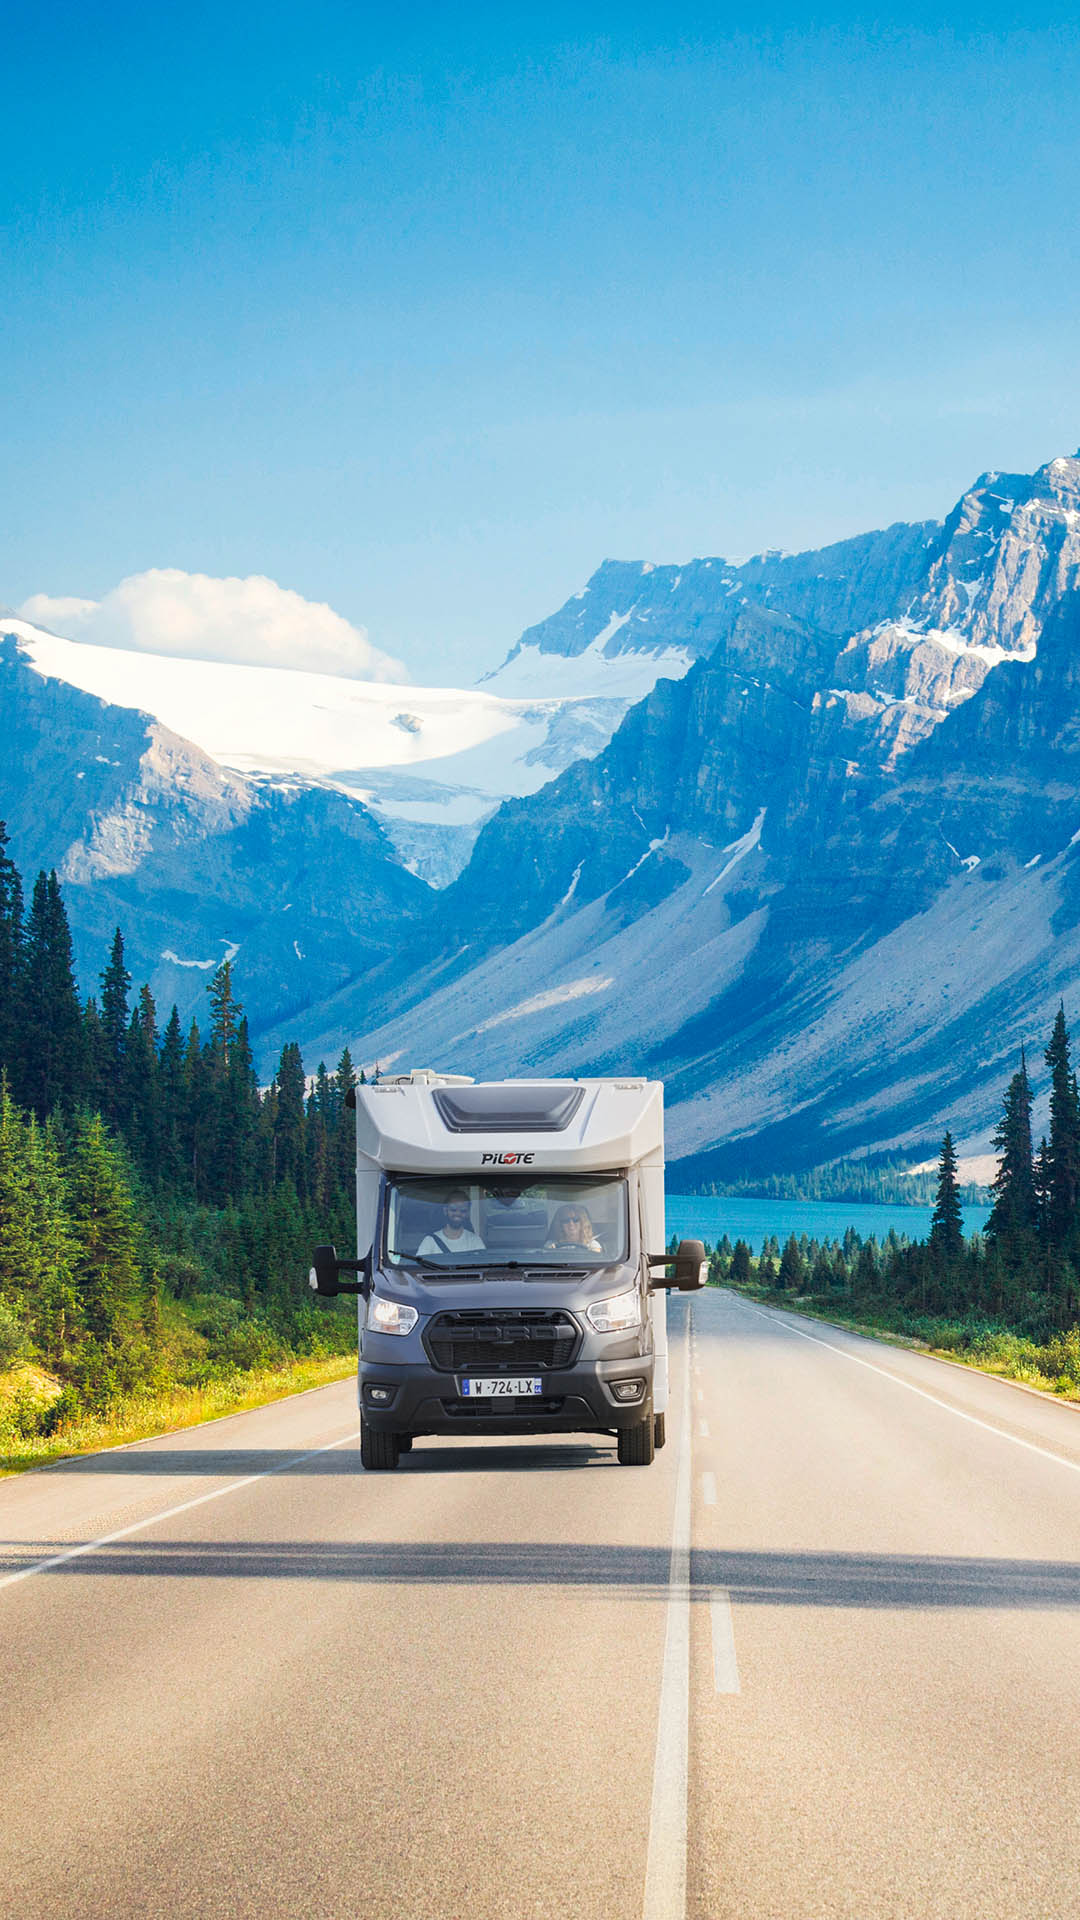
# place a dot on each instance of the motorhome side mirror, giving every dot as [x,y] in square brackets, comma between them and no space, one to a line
[691,1268]
[325,1279]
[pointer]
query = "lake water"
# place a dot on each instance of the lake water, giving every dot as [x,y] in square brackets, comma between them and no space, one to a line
[708,1218]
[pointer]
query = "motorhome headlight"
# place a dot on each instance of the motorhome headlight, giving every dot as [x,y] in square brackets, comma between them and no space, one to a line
[616,1315]
[390,1316]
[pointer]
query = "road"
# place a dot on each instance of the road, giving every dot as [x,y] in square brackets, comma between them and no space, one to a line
[823,1658]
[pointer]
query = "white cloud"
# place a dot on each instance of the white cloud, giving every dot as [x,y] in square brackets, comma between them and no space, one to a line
[253,622]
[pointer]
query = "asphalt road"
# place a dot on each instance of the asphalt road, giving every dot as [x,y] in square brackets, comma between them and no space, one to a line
[823,1658]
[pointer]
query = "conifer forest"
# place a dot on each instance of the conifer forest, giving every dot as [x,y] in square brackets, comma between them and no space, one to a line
[157,1208]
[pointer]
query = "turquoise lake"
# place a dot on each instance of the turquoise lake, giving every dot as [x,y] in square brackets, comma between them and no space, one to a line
[754,1220]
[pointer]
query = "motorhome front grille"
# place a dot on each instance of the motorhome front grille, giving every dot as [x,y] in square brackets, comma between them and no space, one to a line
[483,1340]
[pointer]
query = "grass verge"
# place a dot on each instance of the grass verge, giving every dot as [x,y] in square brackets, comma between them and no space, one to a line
[144,1416]
[1052,1367]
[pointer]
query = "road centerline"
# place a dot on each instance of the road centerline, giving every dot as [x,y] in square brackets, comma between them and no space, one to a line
[665,1871]
[725,1663]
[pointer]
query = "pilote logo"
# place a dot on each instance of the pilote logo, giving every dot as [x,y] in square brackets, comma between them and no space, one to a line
[506,1159]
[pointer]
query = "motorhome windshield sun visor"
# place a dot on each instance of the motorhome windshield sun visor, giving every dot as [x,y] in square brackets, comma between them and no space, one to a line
[508,1109]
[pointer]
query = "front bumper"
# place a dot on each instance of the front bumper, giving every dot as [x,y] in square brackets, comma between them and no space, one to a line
[577,1399]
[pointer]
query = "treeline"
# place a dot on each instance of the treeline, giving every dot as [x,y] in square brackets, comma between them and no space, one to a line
[883,1181]
[1022,1272]
[156,1207]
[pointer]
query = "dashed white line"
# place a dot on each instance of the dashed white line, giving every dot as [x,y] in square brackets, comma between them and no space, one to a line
[703,1429]
[665,1870]
[725,1665]
[708,1489]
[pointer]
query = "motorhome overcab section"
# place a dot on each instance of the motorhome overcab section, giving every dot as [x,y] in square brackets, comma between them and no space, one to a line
[511,1261]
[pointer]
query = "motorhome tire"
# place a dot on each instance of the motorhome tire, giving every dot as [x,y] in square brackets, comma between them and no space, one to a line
[637,1444]
[405,1441]
[379,1452]
[659,1430]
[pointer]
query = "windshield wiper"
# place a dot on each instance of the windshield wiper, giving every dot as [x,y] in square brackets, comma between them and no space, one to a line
[416,1259]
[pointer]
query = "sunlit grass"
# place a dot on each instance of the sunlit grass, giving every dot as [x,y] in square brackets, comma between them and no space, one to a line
[170,1411]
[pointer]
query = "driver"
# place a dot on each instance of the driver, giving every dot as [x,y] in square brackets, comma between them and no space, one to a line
[571,1226]
[456,1236]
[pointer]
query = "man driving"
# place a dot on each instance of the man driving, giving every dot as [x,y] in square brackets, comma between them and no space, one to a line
[456,1235]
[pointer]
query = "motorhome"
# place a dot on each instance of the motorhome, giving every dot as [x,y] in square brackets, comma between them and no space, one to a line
[511,1262]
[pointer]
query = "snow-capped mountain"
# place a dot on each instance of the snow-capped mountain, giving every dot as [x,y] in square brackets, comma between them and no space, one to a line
[431,762]
[825,883]
[823,875]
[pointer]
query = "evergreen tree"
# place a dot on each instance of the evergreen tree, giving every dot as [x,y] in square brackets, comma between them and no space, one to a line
[107,1278]
[115,983]
[173,1165]
[227,1011]
[18,1259]
[52,1053]
[11,956]
[1013,1218]
[821,1276]
[55,1311]
[289,1118]
[1063,1166]
[740,1264]
[142,1083]
[947,1225]
[792,1266]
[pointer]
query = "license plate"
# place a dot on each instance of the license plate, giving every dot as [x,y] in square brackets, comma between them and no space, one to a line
[502,1387]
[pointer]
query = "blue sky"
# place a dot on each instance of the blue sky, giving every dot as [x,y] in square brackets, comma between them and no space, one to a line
[426,319]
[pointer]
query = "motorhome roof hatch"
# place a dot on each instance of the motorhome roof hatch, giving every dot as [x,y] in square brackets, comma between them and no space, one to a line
[509,1108]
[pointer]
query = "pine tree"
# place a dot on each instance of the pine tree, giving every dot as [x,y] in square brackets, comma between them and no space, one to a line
[173,1165]
[289,1118]
[227,1011]
[18,1262]
[946,1241]
[1063,1160]
[55,1312]
[142,1083]
[115,983]
[107,1278]
[52,1050]
[11,956]
[740,1264]
[792,1266]
[1013,1219]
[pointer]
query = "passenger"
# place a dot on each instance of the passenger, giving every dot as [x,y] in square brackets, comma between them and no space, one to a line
[571,1226]
[457,1236]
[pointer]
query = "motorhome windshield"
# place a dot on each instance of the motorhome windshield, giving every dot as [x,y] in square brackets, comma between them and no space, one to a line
[558,1222]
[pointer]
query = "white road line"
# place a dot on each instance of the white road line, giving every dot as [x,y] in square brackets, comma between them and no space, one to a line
[703,1429]
[971,1418]
[665,1871]
[700,1395]
[169,1513]
[708,1489]
[725,1665]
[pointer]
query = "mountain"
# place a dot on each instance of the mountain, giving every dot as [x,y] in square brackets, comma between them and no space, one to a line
[825,884]
[431,763]
[801,834]
[195,863]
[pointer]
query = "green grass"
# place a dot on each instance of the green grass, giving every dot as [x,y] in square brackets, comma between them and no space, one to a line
[1052,1366]
[143,1416]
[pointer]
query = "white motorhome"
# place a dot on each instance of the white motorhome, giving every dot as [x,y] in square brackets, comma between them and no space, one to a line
[511,1261]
